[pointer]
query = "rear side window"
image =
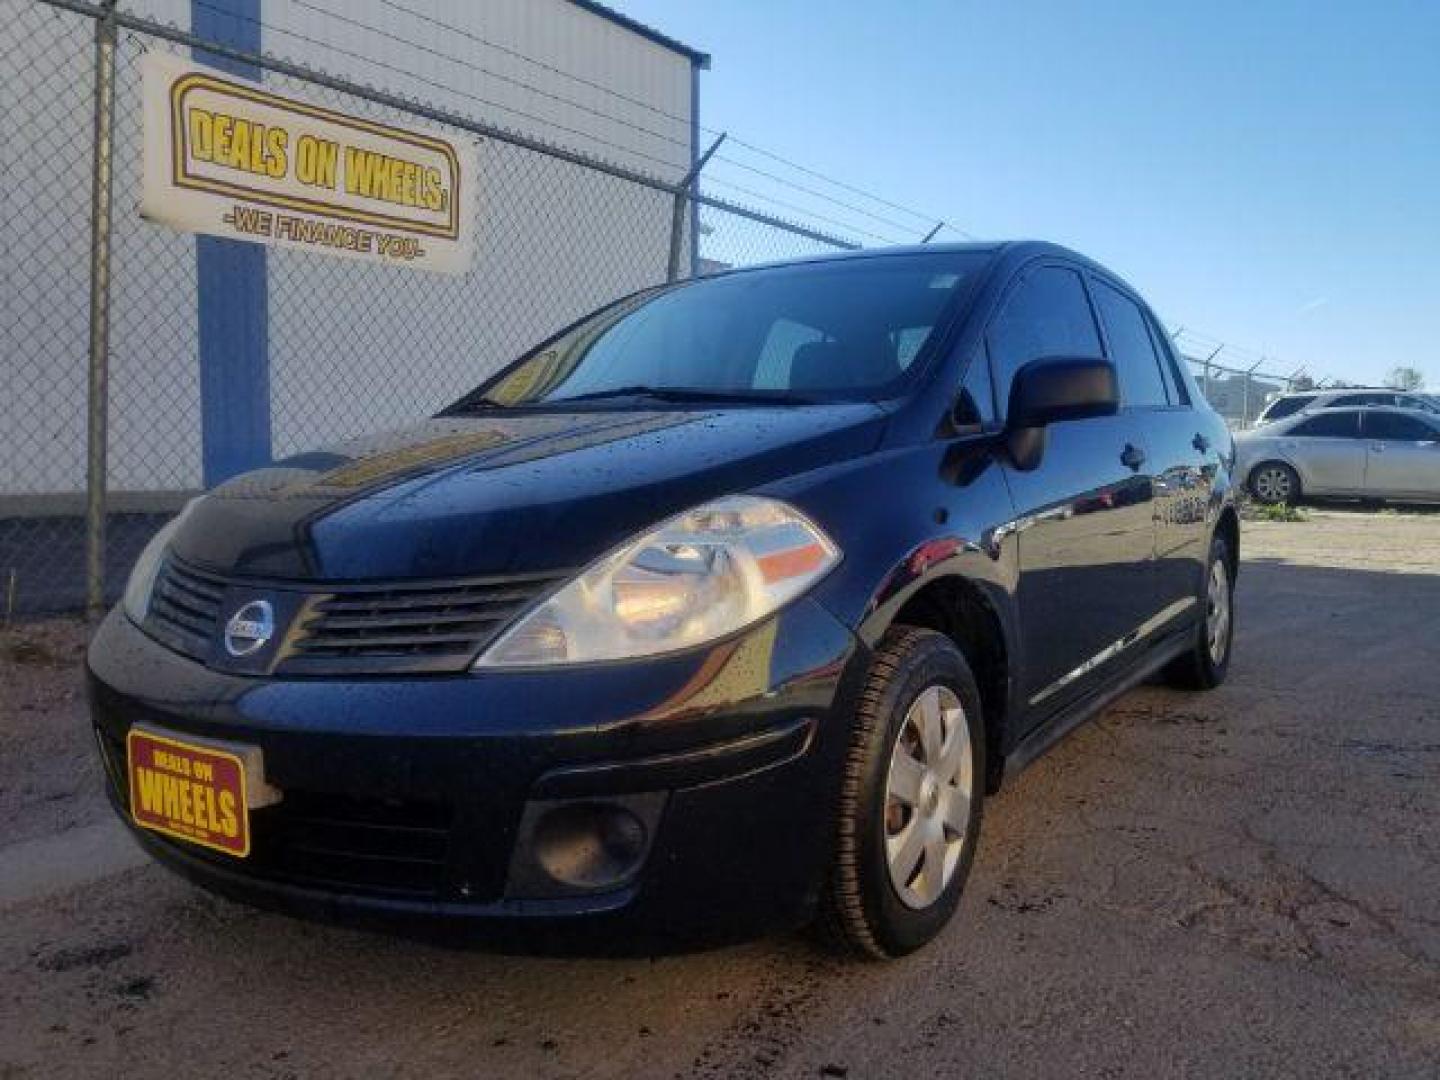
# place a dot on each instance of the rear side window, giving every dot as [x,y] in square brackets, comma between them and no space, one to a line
[1141,383]
[1329,425]
[1047,315]
[1383,425]
[1285,406]
[1410,401]
[1350,401]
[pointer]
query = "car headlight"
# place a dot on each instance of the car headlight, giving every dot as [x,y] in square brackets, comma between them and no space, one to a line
[699,576]
[147,568]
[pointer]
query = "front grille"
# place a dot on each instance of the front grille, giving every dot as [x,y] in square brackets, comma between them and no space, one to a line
[435,626]
[367,845]
[352,629]
[383,847]
[185,608]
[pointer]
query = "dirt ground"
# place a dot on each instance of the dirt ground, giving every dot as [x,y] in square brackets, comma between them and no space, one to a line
[1234,884]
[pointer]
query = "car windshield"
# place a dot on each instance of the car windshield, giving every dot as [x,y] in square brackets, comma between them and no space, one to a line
[849,329]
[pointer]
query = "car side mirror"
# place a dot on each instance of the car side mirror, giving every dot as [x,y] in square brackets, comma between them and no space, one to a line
[1051,390]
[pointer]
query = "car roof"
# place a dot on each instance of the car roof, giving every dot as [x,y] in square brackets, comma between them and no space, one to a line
[1368,410]
[1337,390]
[1017,250]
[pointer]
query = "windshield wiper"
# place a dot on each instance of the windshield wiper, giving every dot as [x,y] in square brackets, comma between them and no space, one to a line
[688,394]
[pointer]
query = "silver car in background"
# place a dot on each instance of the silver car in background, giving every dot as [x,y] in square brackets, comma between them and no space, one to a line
[1363,453]
[1294,401]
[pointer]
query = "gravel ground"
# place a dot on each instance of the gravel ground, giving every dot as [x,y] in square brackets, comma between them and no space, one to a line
[1239,883]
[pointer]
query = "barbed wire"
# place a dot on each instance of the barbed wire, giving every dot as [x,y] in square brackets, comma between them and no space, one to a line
[601,114]
[707,181]
[492,74]
[470,35]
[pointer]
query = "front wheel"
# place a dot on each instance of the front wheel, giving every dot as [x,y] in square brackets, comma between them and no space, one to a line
[1207,663]
[910,803]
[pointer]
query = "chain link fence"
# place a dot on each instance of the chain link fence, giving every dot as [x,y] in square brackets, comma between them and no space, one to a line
[104,441]
[1238,393]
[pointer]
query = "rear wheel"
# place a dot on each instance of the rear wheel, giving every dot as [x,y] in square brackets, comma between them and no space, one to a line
[1275,483]
[910,801]
[1207,663]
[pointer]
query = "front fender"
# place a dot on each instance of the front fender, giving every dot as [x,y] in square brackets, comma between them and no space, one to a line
[1248,458]
[907,518]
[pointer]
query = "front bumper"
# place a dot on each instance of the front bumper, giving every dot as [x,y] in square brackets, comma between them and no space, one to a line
[405,799]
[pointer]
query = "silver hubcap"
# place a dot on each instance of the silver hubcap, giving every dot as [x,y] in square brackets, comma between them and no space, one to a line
[1272,484]
[927,797]
[1217,611]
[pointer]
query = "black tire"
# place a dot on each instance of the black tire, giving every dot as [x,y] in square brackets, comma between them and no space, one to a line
[1200,668]
[1275,484]
[862,913]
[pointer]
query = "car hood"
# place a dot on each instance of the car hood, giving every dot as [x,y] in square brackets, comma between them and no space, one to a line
[504,492]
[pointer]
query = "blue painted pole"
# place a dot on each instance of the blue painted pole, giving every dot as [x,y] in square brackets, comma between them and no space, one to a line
[232,293]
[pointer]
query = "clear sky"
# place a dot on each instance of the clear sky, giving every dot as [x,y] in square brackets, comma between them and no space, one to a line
[1266,173]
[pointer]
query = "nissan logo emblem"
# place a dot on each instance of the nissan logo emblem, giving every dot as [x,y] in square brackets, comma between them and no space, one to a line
[250,628]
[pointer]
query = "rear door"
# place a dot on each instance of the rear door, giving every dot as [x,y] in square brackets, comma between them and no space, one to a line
[1402,455]
[1083,516]
[1327,450]
[1152,392]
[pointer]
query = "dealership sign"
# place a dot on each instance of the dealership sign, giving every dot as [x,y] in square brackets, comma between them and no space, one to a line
[227,158]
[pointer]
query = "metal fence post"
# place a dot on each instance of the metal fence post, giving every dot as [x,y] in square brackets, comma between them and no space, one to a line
[1248,376]
[1205,386]
[677,221]
[97,415]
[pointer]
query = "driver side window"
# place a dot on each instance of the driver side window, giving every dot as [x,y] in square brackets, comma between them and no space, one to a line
[1048,314]
[1329,425]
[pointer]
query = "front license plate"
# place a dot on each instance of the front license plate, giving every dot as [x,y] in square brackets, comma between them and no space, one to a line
[190,792]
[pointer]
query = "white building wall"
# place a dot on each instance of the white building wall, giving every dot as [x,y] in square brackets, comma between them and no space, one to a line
[553,240]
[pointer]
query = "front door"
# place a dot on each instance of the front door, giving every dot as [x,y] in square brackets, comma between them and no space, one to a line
[1083,516]
[1328,450]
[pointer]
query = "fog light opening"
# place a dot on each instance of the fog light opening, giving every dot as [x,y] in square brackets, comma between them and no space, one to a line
[590,845]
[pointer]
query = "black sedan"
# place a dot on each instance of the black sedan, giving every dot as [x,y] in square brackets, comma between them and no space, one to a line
[721,611]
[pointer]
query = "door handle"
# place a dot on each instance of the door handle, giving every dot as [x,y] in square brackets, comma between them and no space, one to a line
[1200,443]
[1132,457]
[1377,448]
